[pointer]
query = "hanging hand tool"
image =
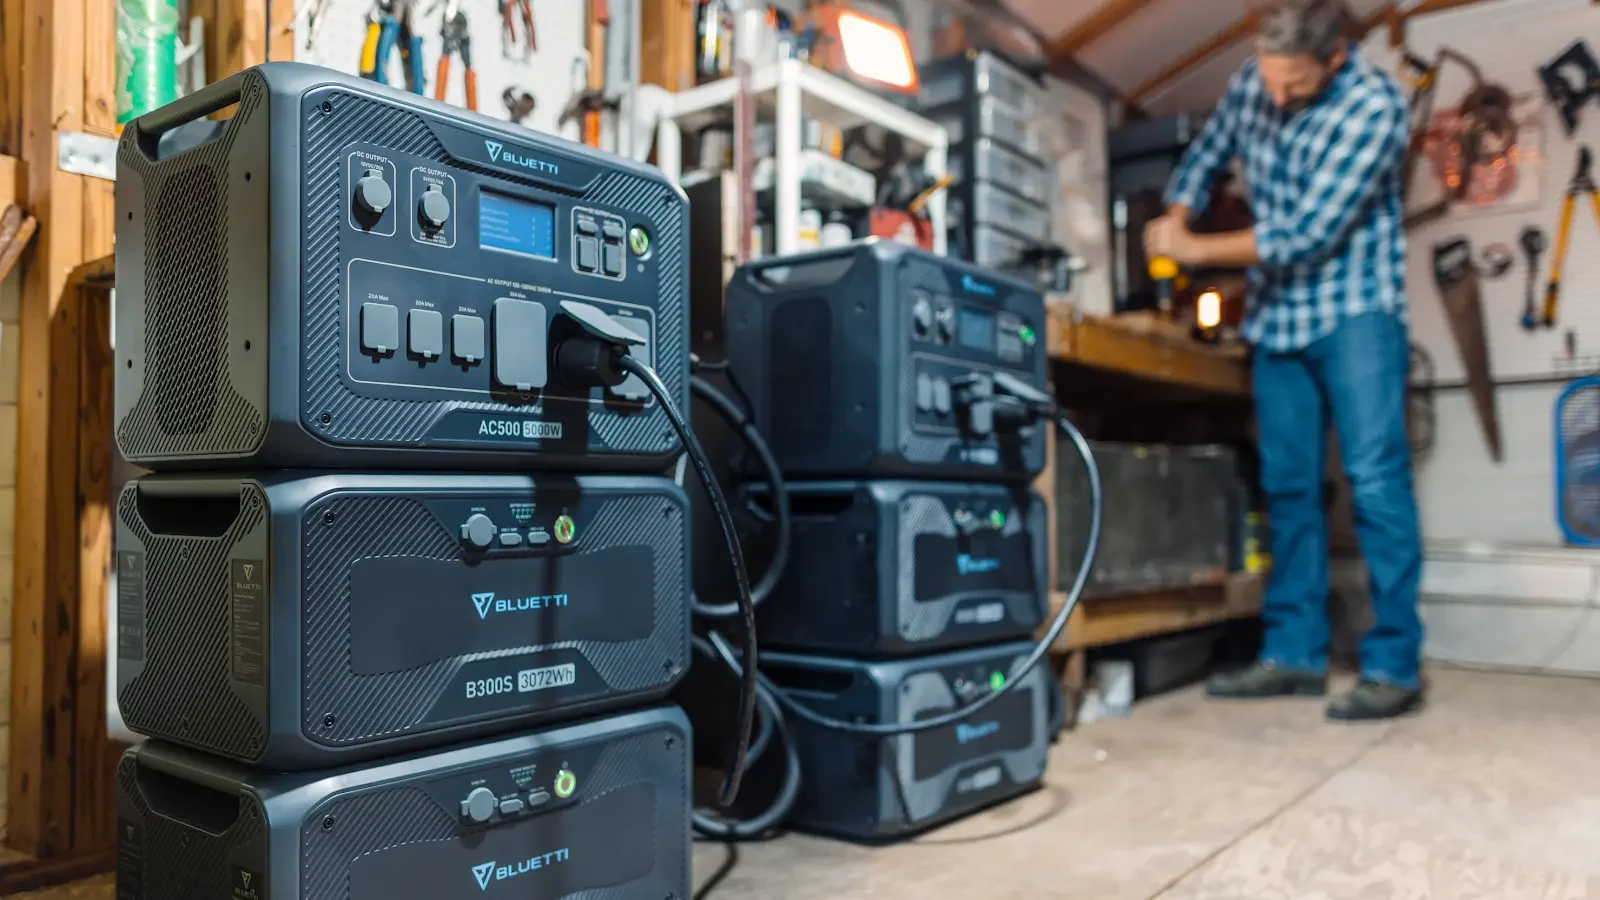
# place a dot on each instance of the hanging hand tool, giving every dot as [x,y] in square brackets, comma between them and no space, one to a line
[311,15]
[390,24]
[1571,80]
[519,102]
[1534,243]
[510,11]
[455,38]
[1457,280]
[1582,184]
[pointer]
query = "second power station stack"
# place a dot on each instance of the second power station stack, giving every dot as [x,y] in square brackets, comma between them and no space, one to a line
[918,566]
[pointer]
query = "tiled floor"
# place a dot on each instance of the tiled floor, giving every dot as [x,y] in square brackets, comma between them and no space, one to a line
[1493,792]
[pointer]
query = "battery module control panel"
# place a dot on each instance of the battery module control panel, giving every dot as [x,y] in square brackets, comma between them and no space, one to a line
[454,279]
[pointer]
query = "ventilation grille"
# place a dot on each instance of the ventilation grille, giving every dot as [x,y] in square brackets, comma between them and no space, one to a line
[183,692]
[187,404]
[802,389]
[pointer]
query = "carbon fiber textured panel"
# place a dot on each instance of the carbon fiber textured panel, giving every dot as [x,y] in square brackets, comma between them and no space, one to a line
[173,859]
[379,705]
[925,621]
[183,690]
[189,403]
[353,826]
[331,408]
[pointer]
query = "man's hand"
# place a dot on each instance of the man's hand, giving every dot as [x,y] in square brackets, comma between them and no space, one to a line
[1170,236]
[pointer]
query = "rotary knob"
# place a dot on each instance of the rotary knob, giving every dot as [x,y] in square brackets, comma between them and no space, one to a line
[921,316]
[479,806]
[478,531]
[372,192]
[433,210]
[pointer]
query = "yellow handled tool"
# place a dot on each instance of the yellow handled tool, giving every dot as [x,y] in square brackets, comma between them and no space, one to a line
[1164,271]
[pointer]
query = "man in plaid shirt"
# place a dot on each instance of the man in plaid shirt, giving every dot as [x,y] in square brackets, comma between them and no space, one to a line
[1322,134]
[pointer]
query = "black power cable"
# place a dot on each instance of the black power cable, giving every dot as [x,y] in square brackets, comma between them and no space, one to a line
[749,685]
[740,422]
[1047,409]
[771,722]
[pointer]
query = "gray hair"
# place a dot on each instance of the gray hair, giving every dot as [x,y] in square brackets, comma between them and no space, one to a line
[1314,27]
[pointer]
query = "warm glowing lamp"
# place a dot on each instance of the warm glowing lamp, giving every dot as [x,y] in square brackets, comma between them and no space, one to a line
[856,45]
[1208,309]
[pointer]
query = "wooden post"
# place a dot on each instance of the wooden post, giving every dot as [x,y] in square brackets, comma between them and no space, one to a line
[57,75]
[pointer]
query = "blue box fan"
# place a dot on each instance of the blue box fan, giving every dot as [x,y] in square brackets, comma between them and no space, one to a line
[1578,461]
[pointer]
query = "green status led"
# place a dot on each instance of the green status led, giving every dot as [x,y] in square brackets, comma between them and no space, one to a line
[1027,334]
[997,681]
[997,519]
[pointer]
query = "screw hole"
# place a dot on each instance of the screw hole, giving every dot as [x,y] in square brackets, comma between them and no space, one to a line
[326,107]
[130,363]
[329,720]
[327,824]
[326,418]
[328,519]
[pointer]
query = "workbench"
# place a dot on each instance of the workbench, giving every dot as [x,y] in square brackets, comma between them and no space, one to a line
[1099,362]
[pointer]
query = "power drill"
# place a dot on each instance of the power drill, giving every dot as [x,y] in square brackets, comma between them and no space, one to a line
[1164,272]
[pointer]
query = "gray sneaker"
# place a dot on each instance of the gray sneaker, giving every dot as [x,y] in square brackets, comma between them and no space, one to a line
[1266,680]
[1374,700]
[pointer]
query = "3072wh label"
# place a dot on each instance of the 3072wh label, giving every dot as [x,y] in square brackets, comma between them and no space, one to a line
[547,677]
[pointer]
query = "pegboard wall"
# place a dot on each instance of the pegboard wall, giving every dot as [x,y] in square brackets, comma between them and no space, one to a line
[549,74]
[1509,40]
[1462,494]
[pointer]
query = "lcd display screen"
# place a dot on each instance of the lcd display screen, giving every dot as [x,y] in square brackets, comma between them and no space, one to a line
[976,329]
[514,225]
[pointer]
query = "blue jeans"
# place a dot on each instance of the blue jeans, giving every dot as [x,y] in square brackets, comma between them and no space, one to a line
[1357,378]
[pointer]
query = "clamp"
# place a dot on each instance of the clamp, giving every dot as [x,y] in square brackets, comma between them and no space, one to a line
[1582,184]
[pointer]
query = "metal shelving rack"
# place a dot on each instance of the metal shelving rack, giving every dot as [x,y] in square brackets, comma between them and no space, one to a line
[786,91]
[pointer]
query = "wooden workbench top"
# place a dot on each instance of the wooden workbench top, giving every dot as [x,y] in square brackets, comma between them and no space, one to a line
[1138,347]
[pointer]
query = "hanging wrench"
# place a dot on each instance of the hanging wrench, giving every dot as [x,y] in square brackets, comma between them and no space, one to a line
[1534,243]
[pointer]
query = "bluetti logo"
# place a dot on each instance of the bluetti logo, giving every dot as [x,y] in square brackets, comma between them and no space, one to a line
[974,286]
[490,872]
[486,603]
[967,564]
[498,153]
[966,734]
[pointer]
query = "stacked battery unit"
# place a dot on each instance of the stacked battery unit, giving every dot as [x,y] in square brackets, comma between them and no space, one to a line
[402,601]
[1000,203]
[918,563]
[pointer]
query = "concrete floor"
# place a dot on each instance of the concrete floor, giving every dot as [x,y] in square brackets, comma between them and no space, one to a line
[1493,792]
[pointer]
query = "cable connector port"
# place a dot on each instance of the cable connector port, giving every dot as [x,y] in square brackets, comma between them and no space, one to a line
[998,404]
[593,358]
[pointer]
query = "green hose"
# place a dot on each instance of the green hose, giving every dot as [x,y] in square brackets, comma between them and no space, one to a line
[147,56]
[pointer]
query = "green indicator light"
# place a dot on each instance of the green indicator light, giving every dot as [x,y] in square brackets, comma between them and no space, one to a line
[997,681]
[1027,334]
[639,241]
[566,783]
[565,529]
[997,519]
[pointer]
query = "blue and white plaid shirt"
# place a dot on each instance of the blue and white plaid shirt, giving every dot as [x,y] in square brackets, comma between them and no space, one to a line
[1325,191]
